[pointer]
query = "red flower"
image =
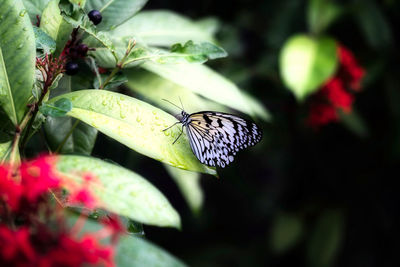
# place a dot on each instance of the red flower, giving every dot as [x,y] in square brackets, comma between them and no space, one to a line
[15,246]
[10,190]
[337,92]
[38,176]
[42,236]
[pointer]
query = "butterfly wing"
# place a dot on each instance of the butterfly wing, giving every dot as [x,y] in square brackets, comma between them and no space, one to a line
[216,137]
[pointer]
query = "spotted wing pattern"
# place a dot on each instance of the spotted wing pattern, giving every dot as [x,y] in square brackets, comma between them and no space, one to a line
[216,137]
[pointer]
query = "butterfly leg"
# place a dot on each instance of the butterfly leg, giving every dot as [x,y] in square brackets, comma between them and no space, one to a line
[178,135]
[171,126]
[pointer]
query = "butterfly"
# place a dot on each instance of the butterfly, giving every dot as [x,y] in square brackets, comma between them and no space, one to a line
[216,137]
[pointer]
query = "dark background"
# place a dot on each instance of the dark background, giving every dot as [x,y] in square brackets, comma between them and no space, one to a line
[302,197]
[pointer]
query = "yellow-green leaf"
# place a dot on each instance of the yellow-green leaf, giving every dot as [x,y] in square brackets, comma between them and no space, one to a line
[136,124]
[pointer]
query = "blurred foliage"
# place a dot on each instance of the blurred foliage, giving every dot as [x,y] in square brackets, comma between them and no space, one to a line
[301,197]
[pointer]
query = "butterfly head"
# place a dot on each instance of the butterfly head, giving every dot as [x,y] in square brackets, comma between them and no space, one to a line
[183,117]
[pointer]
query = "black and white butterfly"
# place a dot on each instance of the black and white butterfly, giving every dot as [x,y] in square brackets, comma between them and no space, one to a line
[216,137]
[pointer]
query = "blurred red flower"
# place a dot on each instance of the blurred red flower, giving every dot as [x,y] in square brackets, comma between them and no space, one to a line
[337,92]
[34,231]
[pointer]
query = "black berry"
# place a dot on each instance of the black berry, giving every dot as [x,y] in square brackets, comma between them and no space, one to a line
[82,50]
[95,16]
[71,68]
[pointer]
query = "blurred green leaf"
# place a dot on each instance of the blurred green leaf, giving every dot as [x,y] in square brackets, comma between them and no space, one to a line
[135,124]
[199,52]
[17,59]
[164,28]
[354,123]
[155,88]
[121,191]
[43,41]
[114,12]
[58,108]
[373,23]
[322,13]
[35,8]
[325,240]
[134,251]
[206,82]
[306,63]
[189,185]
[286,232]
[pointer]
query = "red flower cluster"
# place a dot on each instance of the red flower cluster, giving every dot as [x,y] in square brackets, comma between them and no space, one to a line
[34,232]
[337,92]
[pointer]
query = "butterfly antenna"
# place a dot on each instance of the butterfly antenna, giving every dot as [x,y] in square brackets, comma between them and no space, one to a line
[172,103]
[181,103]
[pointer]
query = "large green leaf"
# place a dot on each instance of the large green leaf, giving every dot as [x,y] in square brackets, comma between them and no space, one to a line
[164,28]
[122,191]
[306,63]
[35,8]
[136,124]
[54,25]
[206,82]
[189,184]
[134,251]
[155,89]
[114,12]
[17,58]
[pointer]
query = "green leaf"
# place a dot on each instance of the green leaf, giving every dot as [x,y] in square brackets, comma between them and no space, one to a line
[43,41]
[189,184]
[5,149]
[35,8]
[57,109]
[354,123]
[325,239]
[116,80]
[78,2]
[17,59]
[82,138]
[204,81]
[114,12]
[372,21]
[322,13]
[134,251]
[122,191]
[155,88]
[81,141]
[53,24]
[286,231]
[136,124]
[163,28]
[199,52]
[306,63]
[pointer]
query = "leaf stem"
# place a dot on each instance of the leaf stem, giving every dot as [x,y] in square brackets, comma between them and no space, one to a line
[119,64]
[67,136]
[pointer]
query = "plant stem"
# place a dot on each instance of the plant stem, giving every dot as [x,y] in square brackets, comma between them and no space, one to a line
[119,64]
[67,136]
[18,130]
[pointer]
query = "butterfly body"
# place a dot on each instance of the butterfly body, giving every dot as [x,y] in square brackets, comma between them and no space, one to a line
[216,137]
